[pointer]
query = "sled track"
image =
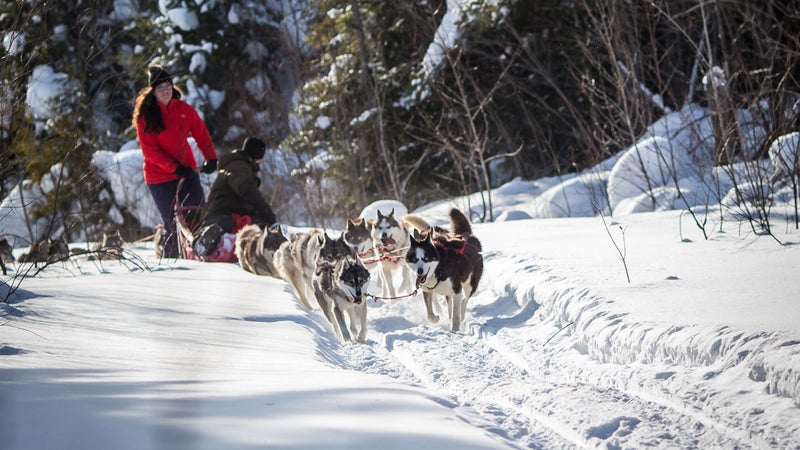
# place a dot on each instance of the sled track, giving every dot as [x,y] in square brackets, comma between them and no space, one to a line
[649,400]
[529,380]
[531,405]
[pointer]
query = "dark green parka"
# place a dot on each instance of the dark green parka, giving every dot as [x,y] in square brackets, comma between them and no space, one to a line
[235,191]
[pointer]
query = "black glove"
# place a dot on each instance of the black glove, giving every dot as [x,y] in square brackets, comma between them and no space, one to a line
[209,166]
[184,172]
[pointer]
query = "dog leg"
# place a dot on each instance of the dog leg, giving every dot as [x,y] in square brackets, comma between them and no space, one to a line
[459,308]
[387,285]
[344,333]
[464,302]
[408,278]
[450,308]
[428,297]
[353,314]
[301,289]
[325,306]
[362,319]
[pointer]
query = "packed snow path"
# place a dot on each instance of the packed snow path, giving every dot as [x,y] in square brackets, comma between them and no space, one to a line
[544,362]
[536,387]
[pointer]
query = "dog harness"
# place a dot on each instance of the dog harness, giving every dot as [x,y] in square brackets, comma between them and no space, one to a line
[384,254]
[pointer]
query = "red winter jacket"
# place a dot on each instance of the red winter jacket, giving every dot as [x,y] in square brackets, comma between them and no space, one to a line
[164,151]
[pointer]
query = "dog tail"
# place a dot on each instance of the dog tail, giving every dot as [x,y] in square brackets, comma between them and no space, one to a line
[417,222]
[459,223]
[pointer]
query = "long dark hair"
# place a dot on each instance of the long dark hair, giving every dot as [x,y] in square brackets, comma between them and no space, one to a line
[146,105]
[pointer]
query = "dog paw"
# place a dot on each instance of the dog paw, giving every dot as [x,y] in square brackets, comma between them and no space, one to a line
[433,318]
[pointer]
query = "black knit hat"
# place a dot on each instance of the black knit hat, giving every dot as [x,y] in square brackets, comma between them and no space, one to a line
[254,148]
[158,75]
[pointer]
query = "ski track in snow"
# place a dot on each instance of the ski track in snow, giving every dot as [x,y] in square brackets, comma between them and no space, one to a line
[544,374]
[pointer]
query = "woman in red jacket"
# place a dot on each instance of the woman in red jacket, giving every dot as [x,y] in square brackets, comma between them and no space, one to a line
[163,123]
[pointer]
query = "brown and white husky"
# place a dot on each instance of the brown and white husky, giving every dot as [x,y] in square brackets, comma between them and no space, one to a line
[447,263]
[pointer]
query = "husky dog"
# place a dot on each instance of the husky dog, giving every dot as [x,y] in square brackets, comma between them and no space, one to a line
[294,260]
[448,263]
[6,254]
[109,247]
[255,249]
[158,240]
[297,259]
[329,253]
[390,240]
[340,286]
[358,236]
[47,250]
[6,251]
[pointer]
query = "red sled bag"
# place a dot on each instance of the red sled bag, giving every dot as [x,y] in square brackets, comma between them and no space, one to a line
[225,251]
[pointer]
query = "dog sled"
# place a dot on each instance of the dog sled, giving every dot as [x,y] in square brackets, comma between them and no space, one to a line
[187,226]
[187,230]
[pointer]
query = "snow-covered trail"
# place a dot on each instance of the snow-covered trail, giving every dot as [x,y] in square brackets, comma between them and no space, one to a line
[532,367]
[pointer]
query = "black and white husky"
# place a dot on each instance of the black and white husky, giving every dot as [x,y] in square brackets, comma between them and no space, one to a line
[448,263]
[340,287]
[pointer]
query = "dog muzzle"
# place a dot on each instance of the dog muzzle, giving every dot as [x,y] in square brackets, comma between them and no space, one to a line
[421,279]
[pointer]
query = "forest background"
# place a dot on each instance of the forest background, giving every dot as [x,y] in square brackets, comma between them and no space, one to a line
[366,99]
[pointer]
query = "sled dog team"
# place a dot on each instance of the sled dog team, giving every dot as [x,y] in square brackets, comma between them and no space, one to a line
[334,272]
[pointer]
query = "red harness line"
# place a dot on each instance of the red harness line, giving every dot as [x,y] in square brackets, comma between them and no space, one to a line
[384,254]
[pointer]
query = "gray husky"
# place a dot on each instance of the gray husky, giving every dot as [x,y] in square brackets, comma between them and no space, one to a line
[358,236]
[47,250]
[294,260]
[255,249]
[298,258]
[6,254]
[340,287]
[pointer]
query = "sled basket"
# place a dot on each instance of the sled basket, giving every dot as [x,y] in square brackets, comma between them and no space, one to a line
[187,227]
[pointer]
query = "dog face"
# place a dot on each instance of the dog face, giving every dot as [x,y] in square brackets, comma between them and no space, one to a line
[353,280]
[387,231]
[422,258]
[357,235]
[332,250]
